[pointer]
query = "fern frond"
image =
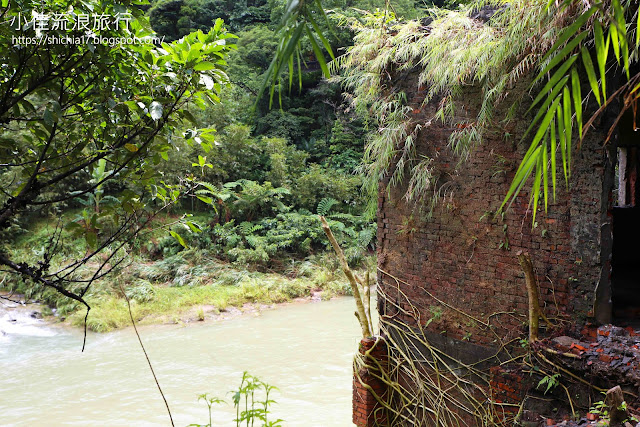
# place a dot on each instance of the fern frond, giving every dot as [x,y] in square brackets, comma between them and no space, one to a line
[325,205]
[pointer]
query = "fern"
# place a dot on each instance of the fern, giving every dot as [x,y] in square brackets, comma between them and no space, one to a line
[325,205]
[247,228]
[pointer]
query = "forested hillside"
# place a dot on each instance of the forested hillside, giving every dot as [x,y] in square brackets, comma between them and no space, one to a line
[219,204]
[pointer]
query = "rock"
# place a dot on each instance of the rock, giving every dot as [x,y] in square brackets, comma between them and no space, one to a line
[614,400]
[35,315]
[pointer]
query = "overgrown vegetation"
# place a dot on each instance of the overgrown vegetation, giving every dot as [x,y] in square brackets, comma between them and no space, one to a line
[454,49]
[252,179]
[245,399]
[167,283]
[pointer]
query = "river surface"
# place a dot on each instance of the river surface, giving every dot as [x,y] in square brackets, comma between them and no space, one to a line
[305,350]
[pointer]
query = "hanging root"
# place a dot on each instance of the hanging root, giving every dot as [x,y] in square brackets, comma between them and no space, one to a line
[427,387]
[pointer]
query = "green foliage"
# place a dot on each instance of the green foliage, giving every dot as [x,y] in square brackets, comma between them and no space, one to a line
[253,409]
[249,199]
[296,234]
[454,51]
[210,401]
[297,20]
[549,381]
[177,18]
[325,205]
[560,101]
[131,99]
[317,182]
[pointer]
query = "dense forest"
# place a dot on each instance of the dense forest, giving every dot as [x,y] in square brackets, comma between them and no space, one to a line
[213,201]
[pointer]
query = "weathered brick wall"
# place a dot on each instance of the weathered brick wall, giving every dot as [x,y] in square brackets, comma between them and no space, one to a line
[463,257]
[367,411]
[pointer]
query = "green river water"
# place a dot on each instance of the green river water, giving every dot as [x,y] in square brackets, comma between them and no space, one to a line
[305,350]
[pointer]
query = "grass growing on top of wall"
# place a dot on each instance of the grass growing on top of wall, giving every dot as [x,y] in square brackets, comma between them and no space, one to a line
[451,51]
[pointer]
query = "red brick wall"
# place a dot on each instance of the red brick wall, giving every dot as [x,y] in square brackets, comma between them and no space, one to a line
[465,257]
[367,412]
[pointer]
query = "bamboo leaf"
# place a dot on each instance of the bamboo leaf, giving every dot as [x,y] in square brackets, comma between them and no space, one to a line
[577,99]
[555,78]
[544,125]
[561,55]
[318,53]
[545,173]
[563,143]
[602,52]
[299,69]
[613,34]
[532,157]
[637,30]
[536,187]
[554,152]
[523,172]
[621,26]
[290,63]
[322,38]
[554,93]
[570,31]
[566,103]
[291,45]
[591,74]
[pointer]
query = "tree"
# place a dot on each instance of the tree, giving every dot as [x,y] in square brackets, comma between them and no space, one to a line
[102,102]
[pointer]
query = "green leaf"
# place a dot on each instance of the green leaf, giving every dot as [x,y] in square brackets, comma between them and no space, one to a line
[570,31]
[545,174]
[554,152]
[577,99]
[318,53]
[48,117]
[523,172]
[568,124]
[637,31]
[621,26]
[602,52]
[544,125]
[591,74]
[205,199]
[555,78]
[536,187]
[193,227]
[554,93]
[204,66]
[322,38]
[131,147]
[561,55]
[179,239]
[613,34]
[563,142]
[92,239]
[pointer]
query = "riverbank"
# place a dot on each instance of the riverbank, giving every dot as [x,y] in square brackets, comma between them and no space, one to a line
[14,312]
[167,283]
[179,306]
[176,290]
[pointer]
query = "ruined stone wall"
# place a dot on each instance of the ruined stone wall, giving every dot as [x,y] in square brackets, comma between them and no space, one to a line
[459,267]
